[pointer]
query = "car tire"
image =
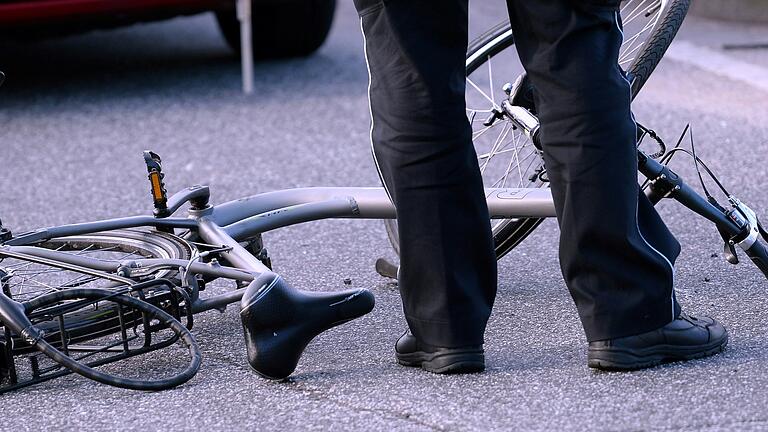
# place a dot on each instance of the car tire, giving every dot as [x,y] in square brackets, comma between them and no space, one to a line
[281,28]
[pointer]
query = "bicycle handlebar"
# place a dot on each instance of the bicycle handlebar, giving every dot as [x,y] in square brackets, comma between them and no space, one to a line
[738,225]
[759,255]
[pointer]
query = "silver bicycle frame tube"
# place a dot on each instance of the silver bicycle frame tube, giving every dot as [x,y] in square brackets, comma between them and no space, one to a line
[229,223]
[260,213]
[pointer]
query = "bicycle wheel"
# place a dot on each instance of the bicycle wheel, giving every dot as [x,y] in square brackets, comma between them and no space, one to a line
[110,248]
[508,158]
[26,281]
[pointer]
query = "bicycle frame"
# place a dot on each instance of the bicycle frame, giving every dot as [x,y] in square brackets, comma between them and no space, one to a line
[228,224]
[219,231]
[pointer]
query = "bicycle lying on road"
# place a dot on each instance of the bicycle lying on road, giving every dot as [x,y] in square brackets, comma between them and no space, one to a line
[104,298]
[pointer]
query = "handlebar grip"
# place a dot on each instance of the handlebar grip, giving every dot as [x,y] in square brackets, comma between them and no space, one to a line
[759,255]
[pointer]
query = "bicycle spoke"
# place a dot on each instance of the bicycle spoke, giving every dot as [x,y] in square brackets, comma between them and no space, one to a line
[481,132]
[639,11]
[472,83]
[631,41]
[629,60]
[509,168]
[490,80]
[500,150]
[515,151]
[29,280]
[506,150]
[79,281]
[475,111]
[633,14]
[502,136]
[518,137]
[637,35]
[626,5]
[82,252]
[45,285]
[533,160]
[533,156]
[519,169]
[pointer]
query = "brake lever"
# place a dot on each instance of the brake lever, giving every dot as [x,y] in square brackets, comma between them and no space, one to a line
[729,249]
[746,220]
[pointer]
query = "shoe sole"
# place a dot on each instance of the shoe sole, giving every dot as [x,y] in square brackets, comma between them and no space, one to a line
[626,360]
[458,362]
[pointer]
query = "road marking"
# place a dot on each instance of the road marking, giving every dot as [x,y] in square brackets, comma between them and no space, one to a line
[719,64]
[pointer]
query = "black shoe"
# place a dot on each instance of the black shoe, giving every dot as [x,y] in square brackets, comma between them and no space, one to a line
[410,352]
[685,338]
[279,321]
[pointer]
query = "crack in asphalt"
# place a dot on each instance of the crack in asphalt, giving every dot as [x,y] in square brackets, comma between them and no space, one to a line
[726,426]
[317,394]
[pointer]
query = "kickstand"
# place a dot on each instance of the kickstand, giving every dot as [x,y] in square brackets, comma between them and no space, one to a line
[386,268]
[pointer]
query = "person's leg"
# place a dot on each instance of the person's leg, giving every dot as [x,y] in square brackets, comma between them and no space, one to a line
[422,146]
[616,254]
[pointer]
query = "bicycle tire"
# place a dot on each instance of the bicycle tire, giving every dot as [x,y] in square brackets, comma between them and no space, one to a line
[508,233]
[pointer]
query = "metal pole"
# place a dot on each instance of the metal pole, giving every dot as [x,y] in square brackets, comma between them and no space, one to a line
[246,44]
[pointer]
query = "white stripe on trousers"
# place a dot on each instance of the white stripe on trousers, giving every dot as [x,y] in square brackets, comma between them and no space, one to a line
[637,207]
[370,110]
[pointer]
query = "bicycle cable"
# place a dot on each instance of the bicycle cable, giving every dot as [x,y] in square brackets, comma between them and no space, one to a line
[666,157]
[651,133]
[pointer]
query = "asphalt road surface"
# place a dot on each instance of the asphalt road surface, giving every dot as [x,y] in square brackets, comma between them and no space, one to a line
[76,113]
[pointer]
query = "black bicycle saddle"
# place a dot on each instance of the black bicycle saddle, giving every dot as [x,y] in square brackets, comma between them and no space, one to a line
[280,321]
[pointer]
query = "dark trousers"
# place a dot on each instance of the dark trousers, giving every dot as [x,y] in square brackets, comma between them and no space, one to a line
[616,254]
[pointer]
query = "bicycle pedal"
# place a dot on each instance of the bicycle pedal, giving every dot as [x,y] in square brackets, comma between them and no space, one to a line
[386,268]
[159,194]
